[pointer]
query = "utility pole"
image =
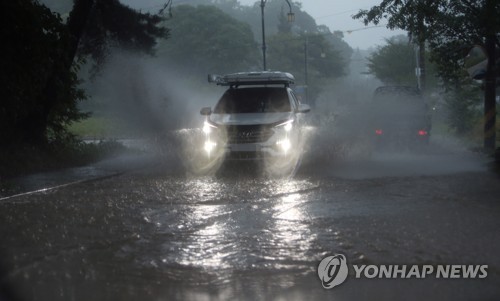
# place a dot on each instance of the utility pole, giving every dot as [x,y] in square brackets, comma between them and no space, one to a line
[262,5]
[490,80]
[305,68]
[421,51]
[421,65]
[490,95]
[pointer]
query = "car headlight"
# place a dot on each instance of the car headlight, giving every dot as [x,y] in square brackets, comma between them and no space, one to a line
[284,136]
[285,144]
[209,146]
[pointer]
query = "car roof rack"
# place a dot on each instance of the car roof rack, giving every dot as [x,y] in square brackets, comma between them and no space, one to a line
[253,78]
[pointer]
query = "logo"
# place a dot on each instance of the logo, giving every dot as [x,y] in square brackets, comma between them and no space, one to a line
[332,271]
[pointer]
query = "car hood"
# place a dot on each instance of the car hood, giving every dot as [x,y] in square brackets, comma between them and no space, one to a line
[250,118]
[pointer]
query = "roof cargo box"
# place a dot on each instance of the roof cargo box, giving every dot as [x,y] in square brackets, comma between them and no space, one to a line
[253,78]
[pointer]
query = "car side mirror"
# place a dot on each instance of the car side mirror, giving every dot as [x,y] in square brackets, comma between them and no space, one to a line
[303,108]
[206,111]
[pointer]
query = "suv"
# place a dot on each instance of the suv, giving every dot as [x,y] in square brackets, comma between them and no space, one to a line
[257,117]
[399,117]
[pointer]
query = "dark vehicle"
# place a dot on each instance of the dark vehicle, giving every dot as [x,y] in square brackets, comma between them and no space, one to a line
[399,117]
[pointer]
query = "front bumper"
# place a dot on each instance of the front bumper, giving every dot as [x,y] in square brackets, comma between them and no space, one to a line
[251,142]
[277,146]
[253,151]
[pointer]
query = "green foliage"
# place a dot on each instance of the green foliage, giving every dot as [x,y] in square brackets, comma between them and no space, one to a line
[462,104]
[410,15]
[459,26]
[285,43]
[206,40]
[394,64]
[111,24]
[275,15]
[336,40]
[39,70]
[95,128]
[462,97]
[449,27]
[41,93]
[16,160]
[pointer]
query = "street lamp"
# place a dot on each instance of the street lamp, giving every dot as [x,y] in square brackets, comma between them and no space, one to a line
[290,18]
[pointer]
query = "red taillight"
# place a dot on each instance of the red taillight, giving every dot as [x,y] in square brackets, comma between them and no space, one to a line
[378,132]
[422,133]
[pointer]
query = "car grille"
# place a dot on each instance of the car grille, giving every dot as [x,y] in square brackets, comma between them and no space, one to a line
[238,134]
[245,156]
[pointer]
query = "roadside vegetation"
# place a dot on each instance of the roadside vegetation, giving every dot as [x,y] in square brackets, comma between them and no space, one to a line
[16,160]
[41,89]
[97,128]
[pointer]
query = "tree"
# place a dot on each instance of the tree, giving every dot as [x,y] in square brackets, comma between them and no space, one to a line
[98,25]
[277,23]
[336,39]
[460,25]
[412,16]
[40,64]
[394,64]
[209,41]
[36,56]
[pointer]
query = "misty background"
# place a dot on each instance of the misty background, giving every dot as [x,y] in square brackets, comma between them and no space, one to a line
[166,90]
[133,94]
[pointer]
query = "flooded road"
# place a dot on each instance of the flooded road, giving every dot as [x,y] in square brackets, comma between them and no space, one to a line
[161,234]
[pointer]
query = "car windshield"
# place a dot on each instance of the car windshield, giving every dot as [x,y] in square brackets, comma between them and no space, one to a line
[253,100]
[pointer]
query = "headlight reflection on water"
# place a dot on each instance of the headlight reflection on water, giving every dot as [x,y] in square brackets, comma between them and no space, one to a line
[226,224]
[287,208]
[208,244]
[290,229]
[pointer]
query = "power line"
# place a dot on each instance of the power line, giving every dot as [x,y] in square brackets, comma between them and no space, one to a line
[363,28]
[337,14]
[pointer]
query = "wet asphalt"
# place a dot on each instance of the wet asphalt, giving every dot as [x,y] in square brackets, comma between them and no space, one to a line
[157,232]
